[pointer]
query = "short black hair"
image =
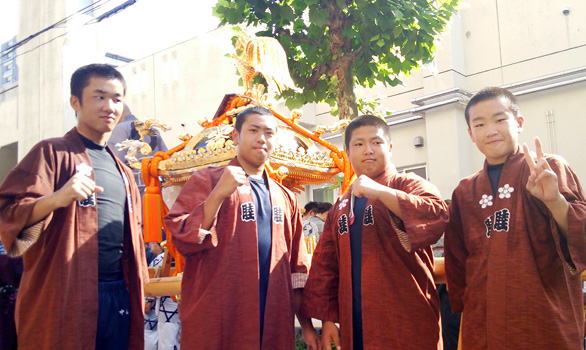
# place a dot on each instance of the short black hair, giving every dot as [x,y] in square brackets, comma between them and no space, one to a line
[366,120]
[490,93]
[322,207]
[310,206]
[81,77]
[241,117]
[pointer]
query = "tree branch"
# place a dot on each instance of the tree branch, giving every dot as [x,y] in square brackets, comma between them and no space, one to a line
[296,39]
[352,56]
[317,73]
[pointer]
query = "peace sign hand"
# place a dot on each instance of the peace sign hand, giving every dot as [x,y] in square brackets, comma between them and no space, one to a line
[543,181]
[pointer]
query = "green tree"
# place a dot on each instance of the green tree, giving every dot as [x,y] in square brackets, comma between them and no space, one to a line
[332,45]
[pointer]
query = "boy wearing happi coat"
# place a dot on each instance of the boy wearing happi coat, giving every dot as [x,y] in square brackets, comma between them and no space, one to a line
[245,258]
[372,271]
[516,243]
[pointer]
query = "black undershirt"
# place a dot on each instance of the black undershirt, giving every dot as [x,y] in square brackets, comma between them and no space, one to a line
[262,201]
[494,175]
[111,211]
[356,257]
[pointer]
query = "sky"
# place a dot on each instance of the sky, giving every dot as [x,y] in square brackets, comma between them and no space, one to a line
[153,25]
[145,27]
[9,22]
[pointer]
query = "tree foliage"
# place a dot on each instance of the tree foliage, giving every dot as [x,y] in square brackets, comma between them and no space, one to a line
[332,45]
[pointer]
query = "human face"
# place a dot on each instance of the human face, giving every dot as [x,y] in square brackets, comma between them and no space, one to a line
[99,109]
[255,142]
[155,248]
[369,151]
[494,129]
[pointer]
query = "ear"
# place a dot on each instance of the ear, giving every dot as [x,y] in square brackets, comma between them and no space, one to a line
[470,134]
[520,122]
[235,135]
[391,147]
[75,103]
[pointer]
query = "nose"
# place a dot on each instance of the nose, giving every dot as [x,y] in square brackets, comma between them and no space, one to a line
[368,149]
[262,138]
[109,105]
[491,129]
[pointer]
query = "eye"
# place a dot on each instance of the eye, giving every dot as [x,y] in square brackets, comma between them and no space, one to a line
[358,144]
[478,125]
[501,120]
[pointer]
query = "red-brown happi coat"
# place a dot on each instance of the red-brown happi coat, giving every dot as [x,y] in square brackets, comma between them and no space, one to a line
[220,290]
[400,304]
[57,303]
[510,271]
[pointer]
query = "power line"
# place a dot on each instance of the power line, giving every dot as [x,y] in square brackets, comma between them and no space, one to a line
[59,24]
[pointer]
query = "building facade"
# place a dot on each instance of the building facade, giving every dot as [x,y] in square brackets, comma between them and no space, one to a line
[537,49]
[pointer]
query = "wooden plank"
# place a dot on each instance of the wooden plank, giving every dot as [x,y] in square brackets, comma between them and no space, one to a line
[439,272]
[153,271]
[164,286]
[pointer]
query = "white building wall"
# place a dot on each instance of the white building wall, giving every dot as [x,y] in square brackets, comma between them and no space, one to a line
[490,42]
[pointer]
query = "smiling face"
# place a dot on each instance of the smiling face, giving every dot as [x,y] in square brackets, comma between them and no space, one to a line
[99,109]
[494,129]
[369,151]
[255,142]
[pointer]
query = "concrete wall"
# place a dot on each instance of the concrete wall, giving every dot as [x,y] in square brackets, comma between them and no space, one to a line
[40,98]
[183,84]
[490,42]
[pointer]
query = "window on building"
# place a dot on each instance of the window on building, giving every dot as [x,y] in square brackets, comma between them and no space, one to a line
[420,170]
[9,155]
[323,193]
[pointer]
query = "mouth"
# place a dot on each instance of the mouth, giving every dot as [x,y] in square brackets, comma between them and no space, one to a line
[369,160]
[493,142]
[108,118]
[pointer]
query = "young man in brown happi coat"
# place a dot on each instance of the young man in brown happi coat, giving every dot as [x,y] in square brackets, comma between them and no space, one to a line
[245,258]
[516,242]
[372,270]
[84,268]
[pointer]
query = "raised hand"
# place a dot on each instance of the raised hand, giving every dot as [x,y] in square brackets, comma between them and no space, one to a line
[364,186]
[543,185]
[78,188]
[232,177]
[367,187]
[543,181]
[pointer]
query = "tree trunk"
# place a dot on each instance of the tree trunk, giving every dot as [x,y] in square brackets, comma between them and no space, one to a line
[345,97]
[341,48]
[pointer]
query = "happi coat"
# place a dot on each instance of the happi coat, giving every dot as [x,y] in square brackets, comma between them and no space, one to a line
[400,304]
[220,289]
[57,304]
[510,271]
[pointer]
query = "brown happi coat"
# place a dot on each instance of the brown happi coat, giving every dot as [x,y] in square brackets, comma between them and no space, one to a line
[512,274]
[57,304]
[220,289]
[400,304]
